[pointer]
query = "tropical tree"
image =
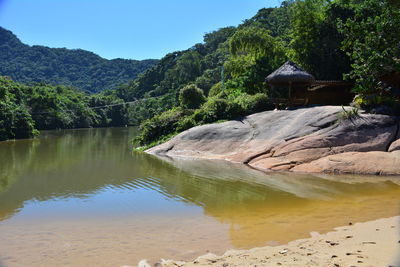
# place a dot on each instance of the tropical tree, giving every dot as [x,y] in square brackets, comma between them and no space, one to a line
[373,43]
[254,53]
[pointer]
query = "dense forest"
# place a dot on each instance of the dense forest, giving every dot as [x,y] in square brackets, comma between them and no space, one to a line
[26,108]
[224,76]
[70,67]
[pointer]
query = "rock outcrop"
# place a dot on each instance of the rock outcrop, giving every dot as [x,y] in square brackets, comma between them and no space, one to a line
[302,140]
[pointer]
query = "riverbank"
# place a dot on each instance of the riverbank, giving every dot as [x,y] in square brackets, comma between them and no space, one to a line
[373,243]
[309,140]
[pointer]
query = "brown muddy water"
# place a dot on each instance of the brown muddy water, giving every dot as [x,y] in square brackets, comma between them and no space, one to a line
[83,198]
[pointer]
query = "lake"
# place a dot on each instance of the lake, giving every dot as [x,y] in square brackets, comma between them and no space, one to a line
[84,198]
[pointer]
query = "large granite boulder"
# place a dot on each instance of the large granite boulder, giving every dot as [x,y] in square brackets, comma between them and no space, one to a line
[374,162]
[293,140]
[396,144]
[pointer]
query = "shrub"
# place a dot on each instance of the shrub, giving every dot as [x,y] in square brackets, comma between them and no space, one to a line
[215,90]
[253,103]
[191,97]
[214,109]
[161,125]
[186,123]
[15,122]
[348,114]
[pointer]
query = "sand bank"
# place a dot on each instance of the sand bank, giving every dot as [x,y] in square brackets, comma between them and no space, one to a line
[374,243]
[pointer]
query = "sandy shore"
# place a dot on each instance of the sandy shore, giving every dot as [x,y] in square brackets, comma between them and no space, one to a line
[374,243]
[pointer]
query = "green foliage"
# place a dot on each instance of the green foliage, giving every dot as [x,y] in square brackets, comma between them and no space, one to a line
[373,43]
[15,120]
[315,40]
[213,110]
[26,108]
[254,53]
[208,79]
[173,121]
[191,97]
[113,111]
[160,125]
[219,79]
[253,103]
[311,32]
[276,20]
[252,41]
[215,90]
[213,39]
[306,18]
[199,65]
[77,68]
[147,108]
[348,114]
[158,141]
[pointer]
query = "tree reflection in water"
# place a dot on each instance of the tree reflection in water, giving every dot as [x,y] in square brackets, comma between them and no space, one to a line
[258,207]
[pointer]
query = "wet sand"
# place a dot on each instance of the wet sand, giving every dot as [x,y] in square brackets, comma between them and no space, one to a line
[374,243]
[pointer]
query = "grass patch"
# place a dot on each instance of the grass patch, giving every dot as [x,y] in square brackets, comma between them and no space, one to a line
[348,114]
[159,141]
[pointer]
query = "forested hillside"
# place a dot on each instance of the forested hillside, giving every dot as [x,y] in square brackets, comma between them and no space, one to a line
[221,78]
[224,77]
[71,67]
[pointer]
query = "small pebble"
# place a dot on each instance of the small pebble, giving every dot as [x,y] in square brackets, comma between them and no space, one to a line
[376,229]
[350,223]
[359,262]
[359,251]
[336,265]
[334,256]
[283,251]
[349,236]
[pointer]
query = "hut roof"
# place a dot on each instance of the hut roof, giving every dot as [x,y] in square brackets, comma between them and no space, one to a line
[290,72]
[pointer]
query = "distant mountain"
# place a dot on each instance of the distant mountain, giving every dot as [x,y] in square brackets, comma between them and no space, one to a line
[74,67]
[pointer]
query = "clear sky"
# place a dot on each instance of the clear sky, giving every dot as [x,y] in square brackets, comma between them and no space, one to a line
[136,29]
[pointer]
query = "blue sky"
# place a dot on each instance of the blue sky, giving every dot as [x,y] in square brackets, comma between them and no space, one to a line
[136,29]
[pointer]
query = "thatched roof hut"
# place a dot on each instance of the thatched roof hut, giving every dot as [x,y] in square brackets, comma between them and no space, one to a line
[290,73]
[293,86]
